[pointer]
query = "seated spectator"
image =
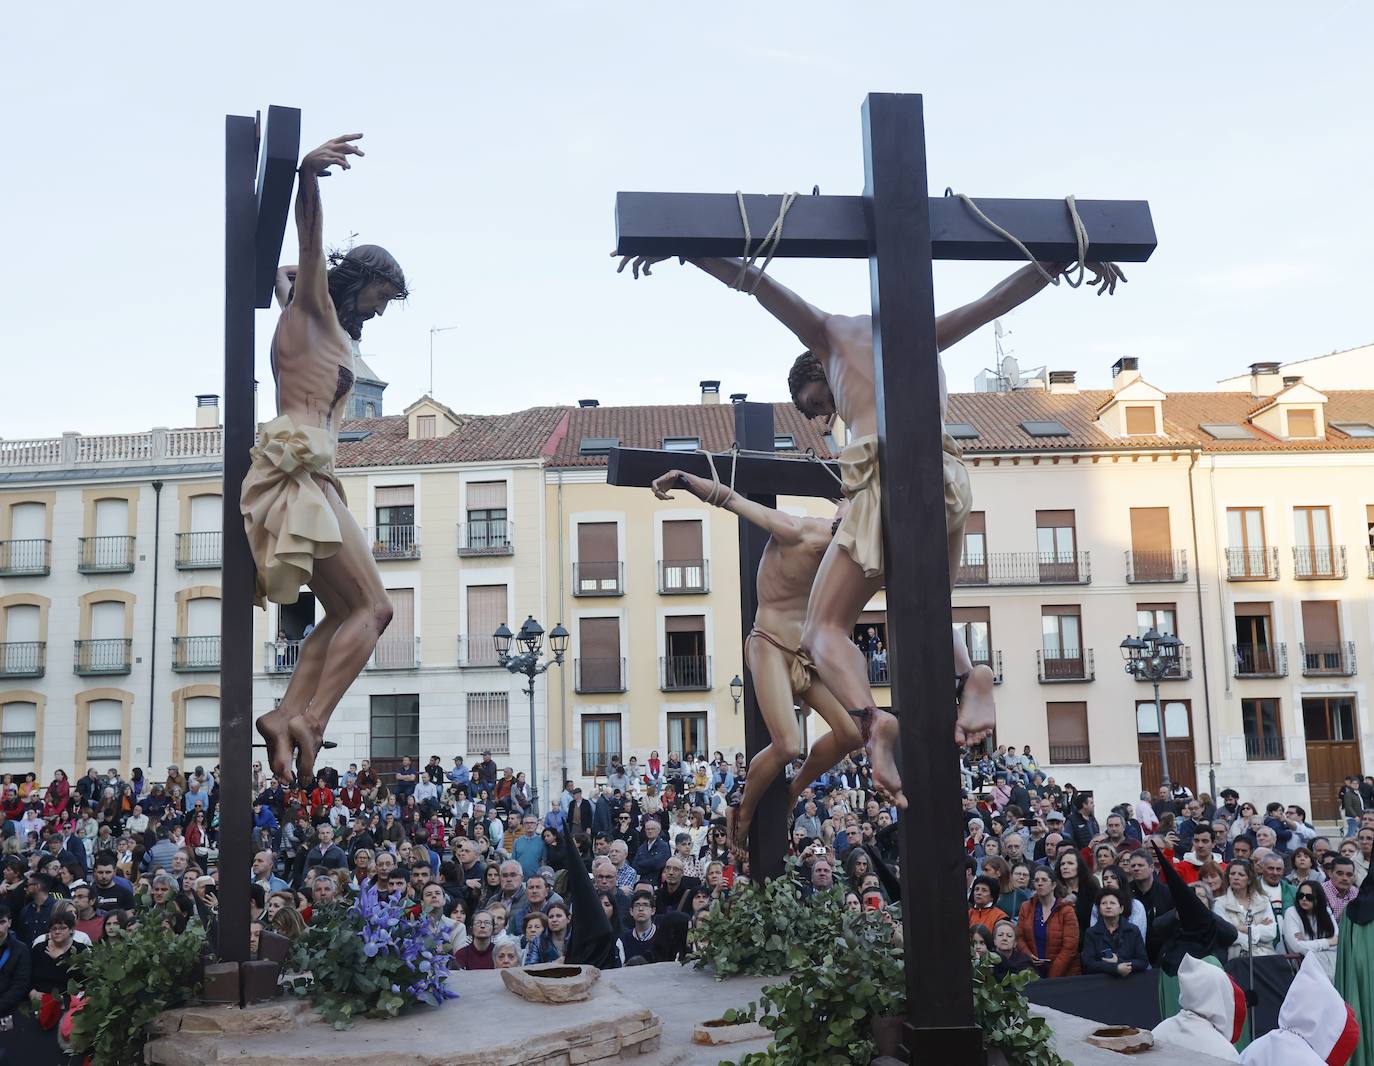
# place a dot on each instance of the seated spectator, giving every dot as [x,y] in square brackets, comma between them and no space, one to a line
[505,953]
[638,941]
[478,953]
[1011,959]
[982,904]
[1308,929]
[1047,929]
[1113,946]
[1247,909]
[535,946]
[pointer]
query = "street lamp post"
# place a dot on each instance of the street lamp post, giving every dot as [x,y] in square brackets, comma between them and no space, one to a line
[1152,657]
[531,638]
[736,690]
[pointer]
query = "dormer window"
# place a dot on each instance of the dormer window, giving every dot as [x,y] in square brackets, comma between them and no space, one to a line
[425,426]
[1140,420]
[1302,422]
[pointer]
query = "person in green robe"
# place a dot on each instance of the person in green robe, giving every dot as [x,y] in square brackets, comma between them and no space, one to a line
[1355,968]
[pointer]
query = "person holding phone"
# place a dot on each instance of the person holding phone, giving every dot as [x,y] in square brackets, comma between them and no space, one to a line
[1047,929]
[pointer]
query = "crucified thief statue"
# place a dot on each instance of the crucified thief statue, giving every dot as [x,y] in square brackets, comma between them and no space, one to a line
[298,525]
[782,672]
[835,375]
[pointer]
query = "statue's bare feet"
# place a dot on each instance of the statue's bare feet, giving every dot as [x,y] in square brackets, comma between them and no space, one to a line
[274,727]
[881,747]
[977,711]
[308,739]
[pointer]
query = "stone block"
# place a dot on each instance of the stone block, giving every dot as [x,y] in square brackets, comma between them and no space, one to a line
[552,982]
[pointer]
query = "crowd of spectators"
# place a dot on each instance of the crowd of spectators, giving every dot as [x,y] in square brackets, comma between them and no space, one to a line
[1054,884]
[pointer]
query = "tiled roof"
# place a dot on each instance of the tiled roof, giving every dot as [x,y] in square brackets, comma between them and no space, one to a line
[997,416]
[478,438]
[646,427]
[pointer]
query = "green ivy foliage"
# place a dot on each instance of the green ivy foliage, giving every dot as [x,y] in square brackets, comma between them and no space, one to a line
[128,980]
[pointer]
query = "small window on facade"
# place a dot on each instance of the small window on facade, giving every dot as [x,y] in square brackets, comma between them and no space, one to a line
[961,431]
[681,444]
[597,445]
[1045,428]
[1355,429]
[1140,421]
[424,426]
[1225,431]
[784,442]
[1302,423]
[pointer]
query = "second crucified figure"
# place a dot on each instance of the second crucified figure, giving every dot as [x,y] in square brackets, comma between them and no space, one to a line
[298,526]
[781,671]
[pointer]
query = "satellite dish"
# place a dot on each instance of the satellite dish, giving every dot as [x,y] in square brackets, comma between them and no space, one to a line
[997,327]
[1010,370]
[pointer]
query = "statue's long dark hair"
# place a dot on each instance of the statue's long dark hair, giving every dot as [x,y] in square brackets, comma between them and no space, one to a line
[350,272]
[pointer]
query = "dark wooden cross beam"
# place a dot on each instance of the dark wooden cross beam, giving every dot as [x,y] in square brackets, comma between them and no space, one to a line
[258,178]
[900,230]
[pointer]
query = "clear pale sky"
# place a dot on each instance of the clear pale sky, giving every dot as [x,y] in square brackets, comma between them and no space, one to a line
[497,136]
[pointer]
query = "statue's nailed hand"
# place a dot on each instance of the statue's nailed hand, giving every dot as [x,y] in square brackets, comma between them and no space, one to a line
[333,151]
[1104,276]
[673,479]
[643,264]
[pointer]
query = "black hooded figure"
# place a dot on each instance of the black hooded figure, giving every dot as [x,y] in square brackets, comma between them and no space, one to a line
[1190,929]
[591,942]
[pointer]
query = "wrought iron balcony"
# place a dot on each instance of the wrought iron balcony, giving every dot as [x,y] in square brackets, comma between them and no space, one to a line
[1252,564]
[478,650]
[1156,567]
[199,551]
[1260,660]
[104,744]
[201,740]
[111,656]
[395,542]
[486,536]
[1264,749]
[1071,664]
[1369,558]
[1319,564]
[1061,754]
[279,656]
[395,653]
[25,558]
[1180,670]
[23,658]
[684,673]
[879,670]
[18,747]
[1328,659]
[599,675]
[195,654]
[683,576]
[105,555]
[598,579]
[1026,568]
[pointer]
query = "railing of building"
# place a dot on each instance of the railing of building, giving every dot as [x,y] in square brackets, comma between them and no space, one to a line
[1071,664]
[195,654]
[106,656]
[25,558]
[1260,660]
[1252,564]
[1150,567]
[1026,568]
[279,656]
[395,542]
[104,744]
[684,673]
[201,740]
[24,658]
[105,555]
[1264,749]
[1335,659]
[486,536]
[199,551]
[678,576]
[395,653]
[1316,564]
[75,449]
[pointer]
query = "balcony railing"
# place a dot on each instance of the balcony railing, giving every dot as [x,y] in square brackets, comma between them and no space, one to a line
[105,555]
[1252,564]
[478,651]
[1026,568]
[1318,564]
[879,670]
[279,656]
[395,653]
[23,658]
[1369,558]
[598,579]
[1264,749]
[199,551]
[684,673]
[594,762]
[18,747]
[104,744]
[680,576]
[1328,660]
[599,675]
[1068,665]
[1260,660]
[195,654]
[1069,753]
[201,740]
[112,656]
[25,558]
[487,536]
[1150,567]
[395,542]
[1182,670]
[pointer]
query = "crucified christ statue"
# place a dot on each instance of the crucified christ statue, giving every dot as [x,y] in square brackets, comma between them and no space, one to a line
[298,526]
[835,375]
[782,672]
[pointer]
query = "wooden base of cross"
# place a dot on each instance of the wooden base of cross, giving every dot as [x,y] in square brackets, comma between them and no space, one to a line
[259,172]
[899,229]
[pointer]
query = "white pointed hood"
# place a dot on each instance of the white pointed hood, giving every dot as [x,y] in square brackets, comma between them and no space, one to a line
[1211,1011]
[1316,1026]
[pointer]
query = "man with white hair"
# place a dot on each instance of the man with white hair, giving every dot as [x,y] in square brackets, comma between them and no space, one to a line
[626,876]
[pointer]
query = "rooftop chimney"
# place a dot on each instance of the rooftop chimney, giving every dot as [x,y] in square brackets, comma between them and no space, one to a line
[710,392]
[207,410]
[1064,382]
[588,403]
[1124,371]
[1264,379]
[738,397]
[1289,381]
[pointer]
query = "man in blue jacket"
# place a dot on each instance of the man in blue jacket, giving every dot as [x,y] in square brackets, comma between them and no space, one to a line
[651,855]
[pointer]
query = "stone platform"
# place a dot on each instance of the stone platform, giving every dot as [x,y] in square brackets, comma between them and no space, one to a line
[643,1015]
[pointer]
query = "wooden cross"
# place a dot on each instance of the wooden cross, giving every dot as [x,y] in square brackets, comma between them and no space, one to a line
[258,178]
[899,229]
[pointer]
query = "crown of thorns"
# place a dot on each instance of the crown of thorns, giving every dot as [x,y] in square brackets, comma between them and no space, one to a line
[366,273]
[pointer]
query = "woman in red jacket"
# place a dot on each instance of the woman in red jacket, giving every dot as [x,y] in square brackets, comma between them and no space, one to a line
[1047,930]
[59,794]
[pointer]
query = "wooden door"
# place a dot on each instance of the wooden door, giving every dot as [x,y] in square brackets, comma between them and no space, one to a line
[1178,718]
[1333,750]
